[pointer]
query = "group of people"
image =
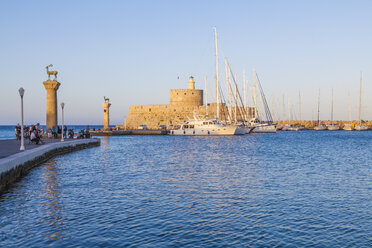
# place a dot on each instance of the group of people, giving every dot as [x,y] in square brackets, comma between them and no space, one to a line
[53,133]
[33,133]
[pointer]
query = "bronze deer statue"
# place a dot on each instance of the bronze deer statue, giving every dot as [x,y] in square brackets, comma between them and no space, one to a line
[51,72]
[106,99]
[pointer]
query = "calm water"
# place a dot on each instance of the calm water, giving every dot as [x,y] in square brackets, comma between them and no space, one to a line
[291,189]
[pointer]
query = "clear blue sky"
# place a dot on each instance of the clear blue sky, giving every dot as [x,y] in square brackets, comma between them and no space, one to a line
[133,52]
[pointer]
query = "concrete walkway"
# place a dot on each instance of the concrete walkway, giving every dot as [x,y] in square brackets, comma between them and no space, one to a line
[11,146]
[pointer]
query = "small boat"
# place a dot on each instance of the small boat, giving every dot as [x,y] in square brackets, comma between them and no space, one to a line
[319,128]
[293,128]
[348,127]
[361,128]
[264,128]
[205,127]
[333,127]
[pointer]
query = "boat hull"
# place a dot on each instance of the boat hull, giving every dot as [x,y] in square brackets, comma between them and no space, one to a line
[348,127]
[320,128]
[333,127]
[219,131]
[361,128]
[264,129]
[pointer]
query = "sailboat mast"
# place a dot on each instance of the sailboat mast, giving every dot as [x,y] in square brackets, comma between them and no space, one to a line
[236,99]
[206,96]
[360,101]
[300,105]
[228,89]
[244,92]
[318,106]
[217,91]
[349,105]
[332,108]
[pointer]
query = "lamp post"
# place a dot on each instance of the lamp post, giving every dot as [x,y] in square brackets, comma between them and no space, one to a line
[21,93]
[62,106]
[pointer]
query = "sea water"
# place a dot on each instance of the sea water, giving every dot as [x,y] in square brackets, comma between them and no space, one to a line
[289,189]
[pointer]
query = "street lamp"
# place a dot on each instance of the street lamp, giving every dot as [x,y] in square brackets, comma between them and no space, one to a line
[62,106]
[21,93]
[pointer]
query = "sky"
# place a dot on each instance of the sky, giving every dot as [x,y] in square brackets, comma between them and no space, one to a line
[135,51]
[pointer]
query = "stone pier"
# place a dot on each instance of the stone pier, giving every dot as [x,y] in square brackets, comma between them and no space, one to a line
[51,87]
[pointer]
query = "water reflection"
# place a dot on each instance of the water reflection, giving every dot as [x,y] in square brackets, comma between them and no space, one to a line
[51,202]
[105,147]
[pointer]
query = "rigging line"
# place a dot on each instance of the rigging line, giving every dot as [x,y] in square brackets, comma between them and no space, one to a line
[223,109]
[238,93]
[270,119]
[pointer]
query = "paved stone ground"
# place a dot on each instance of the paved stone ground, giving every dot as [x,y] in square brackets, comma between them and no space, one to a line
[11,146]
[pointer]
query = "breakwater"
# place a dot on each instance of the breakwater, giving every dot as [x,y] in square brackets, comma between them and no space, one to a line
[312,124]
[13,167]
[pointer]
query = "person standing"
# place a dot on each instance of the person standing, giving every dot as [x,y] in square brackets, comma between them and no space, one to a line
[18,132]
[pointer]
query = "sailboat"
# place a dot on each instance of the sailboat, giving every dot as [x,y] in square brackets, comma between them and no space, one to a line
[348,126]
[319,127]
[332,127]
[259,125]
[360,127]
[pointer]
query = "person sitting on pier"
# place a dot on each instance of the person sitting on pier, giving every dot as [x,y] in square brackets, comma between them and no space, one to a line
[70,133]
[50,135]
[38,135]
[81,134]
[54,133]
[34,138]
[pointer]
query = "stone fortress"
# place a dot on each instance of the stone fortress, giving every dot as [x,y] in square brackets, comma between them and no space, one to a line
[183,104]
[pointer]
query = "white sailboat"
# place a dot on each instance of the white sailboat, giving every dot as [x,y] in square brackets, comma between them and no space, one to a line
[319,127]
[360,127]
[258,125]
[332,127]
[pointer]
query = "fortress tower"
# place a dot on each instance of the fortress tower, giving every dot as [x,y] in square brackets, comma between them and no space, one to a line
[186,97]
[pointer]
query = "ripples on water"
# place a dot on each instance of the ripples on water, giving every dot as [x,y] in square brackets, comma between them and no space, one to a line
[291,189]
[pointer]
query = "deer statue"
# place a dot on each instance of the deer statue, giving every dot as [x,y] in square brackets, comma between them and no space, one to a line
[106,99]
[51,72]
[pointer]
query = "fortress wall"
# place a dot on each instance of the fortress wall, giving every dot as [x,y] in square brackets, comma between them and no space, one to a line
[189,97]
[159,115]
[148,108]
[170,115]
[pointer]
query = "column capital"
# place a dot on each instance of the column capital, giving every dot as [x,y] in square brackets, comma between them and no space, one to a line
[106,105]
[51,84]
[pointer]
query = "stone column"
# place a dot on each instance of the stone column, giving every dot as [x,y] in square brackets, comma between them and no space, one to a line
[51,104]
[106,115]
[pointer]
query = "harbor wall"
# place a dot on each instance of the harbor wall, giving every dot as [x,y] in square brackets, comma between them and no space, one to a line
[13,167]
[311,124]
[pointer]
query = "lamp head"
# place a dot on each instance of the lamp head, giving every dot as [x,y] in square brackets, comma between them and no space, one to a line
[62,104]
[21,91]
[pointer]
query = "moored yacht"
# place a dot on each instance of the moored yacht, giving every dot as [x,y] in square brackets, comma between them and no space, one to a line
[205,127]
